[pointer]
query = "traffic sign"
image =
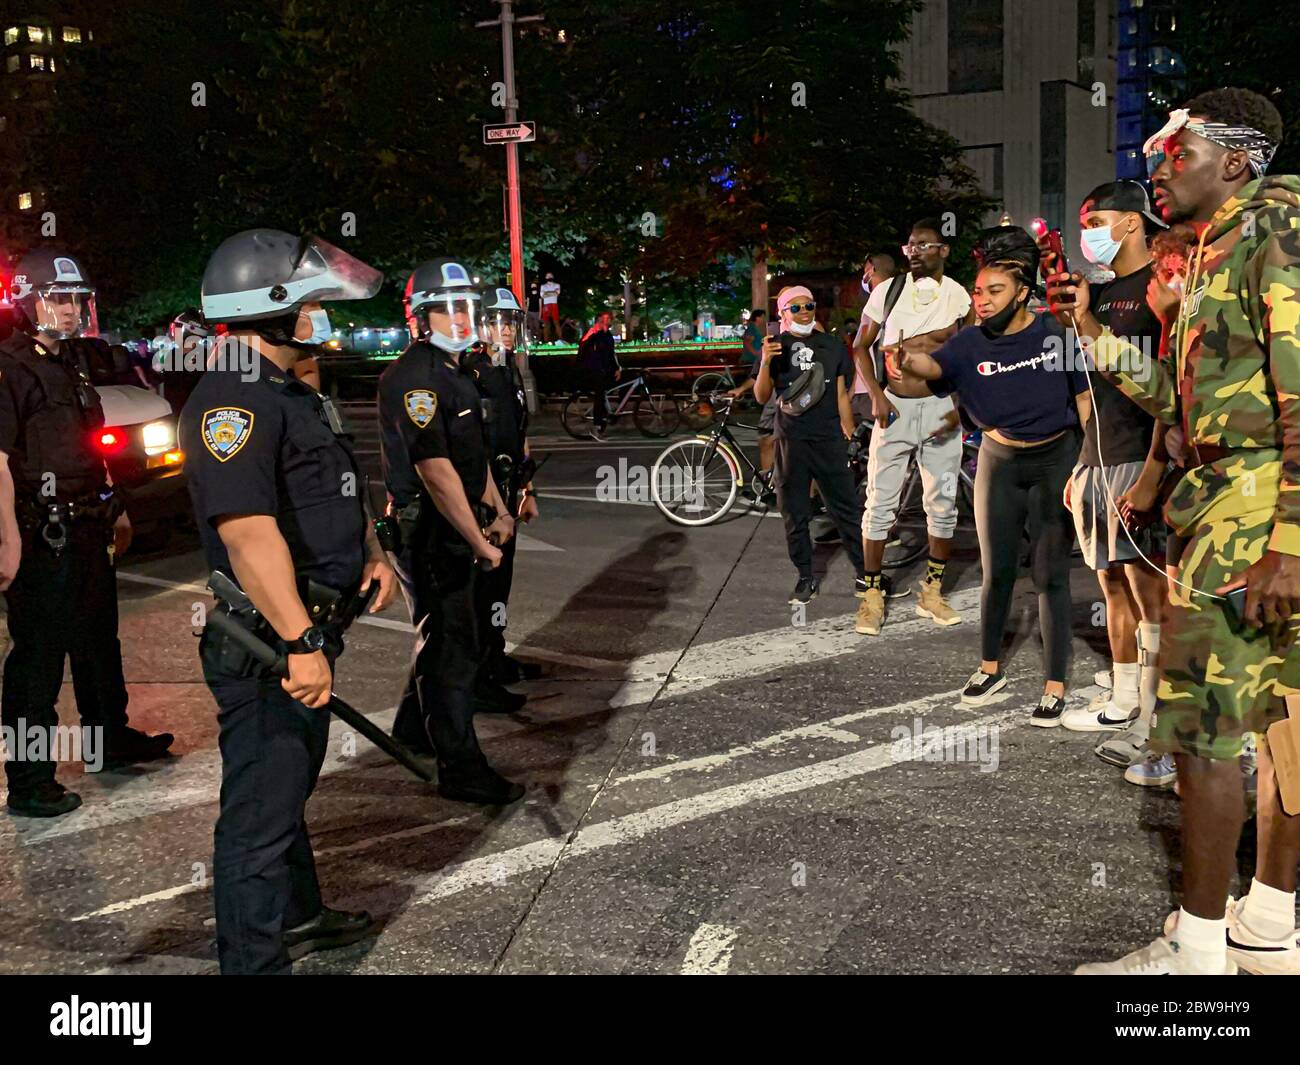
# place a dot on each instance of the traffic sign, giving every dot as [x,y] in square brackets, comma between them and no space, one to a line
[513,133]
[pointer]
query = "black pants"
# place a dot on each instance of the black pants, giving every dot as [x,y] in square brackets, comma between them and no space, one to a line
[62,606]
[493,594]
[597,382]
[1018,488]
[439,578]
[272,749]
[797,464]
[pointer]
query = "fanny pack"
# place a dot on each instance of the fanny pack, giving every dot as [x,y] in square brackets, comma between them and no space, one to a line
[804,393]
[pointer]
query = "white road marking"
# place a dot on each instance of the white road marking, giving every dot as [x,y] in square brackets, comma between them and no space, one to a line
[709,952]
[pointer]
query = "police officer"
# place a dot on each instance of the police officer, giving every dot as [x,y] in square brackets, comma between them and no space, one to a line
[501,384]
[452,521]
[279,504]
[62,526]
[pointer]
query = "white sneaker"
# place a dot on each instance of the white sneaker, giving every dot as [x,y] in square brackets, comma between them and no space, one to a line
[1256,955]
[1103,717]
[1103,679]
[1160,957]
[1158,771]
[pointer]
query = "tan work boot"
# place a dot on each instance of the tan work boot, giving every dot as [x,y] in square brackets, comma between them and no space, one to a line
[871,613]
[930,603]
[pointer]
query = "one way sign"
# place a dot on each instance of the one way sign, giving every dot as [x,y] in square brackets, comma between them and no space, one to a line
[516,133]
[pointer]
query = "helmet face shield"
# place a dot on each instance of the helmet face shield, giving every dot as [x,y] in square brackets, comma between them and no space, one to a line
[502,330]
[451,322]
[65,311]
[324,272]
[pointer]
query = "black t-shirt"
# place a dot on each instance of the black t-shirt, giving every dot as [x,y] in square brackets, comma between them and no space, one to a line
[1022,384]
[49,416]
[822,420]
[429,410]
[264,446]
[1125,427]
[596,353]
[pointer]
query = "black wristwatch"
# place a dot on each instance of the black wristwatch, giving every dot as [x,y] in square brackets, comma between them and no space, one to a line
[311,641]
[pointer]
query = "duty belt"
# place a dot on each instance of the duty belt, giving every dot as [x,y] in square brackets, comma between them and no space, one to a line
[53,519]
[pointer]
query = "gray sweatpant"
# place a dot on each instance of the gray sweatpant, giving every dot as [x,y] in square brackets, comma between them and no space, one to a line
[940,462]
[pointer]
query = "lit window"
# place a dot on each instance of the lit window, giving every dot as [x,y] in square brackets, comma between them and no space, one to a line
[11,64]
[11,35]
[71,35]
[52,66]
[38,62]
[36,35]
[24,201]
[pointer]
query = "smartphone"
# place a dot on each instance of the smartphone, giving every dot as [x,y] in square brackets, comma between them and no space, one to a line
[1053,261]
[1057,251]
[1235,605]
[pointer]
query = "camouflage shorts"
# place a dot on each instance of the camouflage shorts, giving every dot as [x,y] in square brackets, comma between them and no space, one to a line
[1218,682]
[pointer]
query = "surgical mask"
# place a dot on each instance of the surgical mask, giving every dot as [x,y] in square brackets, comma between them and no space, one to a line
[999,322]
[320,327]
[1098,246]
[801,330]
[865,287]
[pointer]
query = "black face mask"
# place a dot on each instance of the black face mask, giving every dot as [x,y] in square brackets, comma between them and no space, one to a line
[999,322]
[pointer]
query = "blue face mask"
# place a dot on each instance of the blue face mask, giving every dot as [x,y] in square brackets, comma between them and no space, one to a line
[320,327]
[1098,246]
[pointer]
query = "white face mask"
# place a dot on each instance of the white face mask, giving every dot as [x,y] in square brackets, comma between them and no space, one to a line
[800,330]
[320,327]
[1098,246]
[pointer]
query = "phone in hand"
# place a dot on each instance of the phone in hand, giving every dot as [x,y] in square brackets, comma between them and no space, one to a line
[1053,258]
[1234,604]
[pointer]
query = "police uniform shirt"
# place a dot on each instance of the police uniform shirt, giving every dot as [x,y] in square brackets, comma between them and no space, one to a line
[503,388]
[49,419]
[822,420]
[264,447]
[429,410]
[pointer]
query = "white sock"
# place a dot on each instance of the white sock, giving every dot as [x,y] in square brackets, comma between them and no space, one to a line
[1269,912]
[1148,672]
[1125,692]
[1204,943]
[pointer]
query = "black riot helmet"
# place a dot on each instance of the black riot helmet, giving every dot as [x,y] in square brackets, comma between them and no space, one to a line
[53,295]
[502,323]
[260,278]
[442,305]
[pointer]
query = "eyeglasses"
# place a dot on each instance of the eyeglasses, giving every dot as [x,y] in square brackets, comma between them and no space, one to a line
[796,308]
[921,249]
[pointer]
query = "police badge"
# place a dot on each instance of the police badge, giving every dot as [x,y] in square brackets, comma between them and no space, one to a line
[226,430]
[421,406]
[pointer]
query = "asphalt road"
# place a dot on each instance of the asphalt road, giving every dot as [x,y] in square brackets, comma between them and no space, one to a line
[714,784]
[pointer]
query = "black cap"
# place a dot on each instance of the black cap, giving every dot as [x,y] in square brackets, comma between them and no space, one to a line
[1124,196]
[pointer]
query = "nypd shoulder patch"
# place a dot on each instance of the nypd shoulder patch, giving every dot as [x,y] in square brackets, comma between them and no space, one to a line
[421,406]
[226,430]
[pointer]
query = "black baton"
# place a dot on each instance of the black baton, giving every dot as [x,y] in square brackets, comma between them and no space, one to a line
[266,654]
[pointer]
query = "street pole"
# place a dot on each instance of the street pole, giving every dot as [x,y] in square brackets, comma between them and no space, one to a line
[515,208]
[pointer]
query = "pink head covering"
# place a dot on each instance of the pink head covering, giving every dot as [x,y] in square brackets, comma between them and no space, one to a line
[788,295]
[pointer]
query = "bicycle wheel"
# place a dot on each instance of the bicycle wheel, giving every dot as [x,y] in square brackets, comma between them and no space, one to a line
[577,416]
[909,539]
[694,482]
[657,414]
[710,382]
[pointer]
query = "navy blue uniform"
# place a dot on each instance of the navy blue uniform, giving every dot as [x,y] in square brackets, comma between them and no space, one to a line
[61,604]
[265,447]
[430,409]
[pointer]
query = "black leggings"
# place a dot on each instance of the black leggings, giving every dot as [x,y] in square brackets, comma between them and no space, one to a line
[1016,488]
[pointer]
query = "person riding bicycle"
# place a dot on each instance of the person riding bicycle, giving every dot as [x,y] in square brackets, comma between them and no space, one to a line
[910,420]
[811,371]
[600,369]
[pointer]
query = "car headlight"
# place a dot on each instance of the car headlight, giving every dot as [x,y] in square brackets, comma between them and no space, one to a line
[158,437]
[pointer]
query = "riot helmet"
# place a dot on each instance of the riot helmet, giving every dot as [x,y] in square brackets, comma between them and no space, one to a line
[442,305]
[52,293]
[502,325]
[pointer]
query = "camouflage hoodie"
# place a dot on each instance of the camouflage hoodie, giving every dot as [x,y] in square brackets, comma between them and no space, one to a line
[1235,382]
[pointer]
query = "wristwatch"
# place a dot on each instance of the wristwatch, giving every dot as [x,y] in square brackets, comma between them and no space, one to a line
[311,641]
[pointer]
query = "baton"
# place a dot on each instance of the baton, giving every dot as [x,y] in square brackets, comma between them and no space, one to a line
[267,655]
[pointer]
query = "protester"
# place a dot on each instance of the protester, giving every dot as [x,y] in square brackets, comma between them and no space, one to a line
[1233,386]
[1017,383]
[550,293]
[600,369]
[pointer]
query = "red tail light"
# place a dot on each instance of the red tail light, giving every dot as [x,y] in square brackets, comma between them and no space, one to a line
[110,441]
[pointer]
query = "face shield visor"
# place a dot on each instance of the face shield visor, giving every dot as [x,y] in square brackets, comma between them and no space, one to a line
[64,311]
[451,322]
[323,272]
[502,330]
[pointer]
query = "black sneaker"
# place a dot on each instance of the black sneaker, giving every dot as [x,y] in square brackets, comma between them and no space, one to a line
[887,586]
[327,930]
[498,700]
[127,746]
[47,799]
[982,687]
[805,591]
[1047,714]
[477,782]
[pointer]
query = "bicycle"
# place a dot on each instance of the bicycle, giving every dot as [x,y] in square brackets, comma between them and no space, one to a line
[696,482]
[656,414]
